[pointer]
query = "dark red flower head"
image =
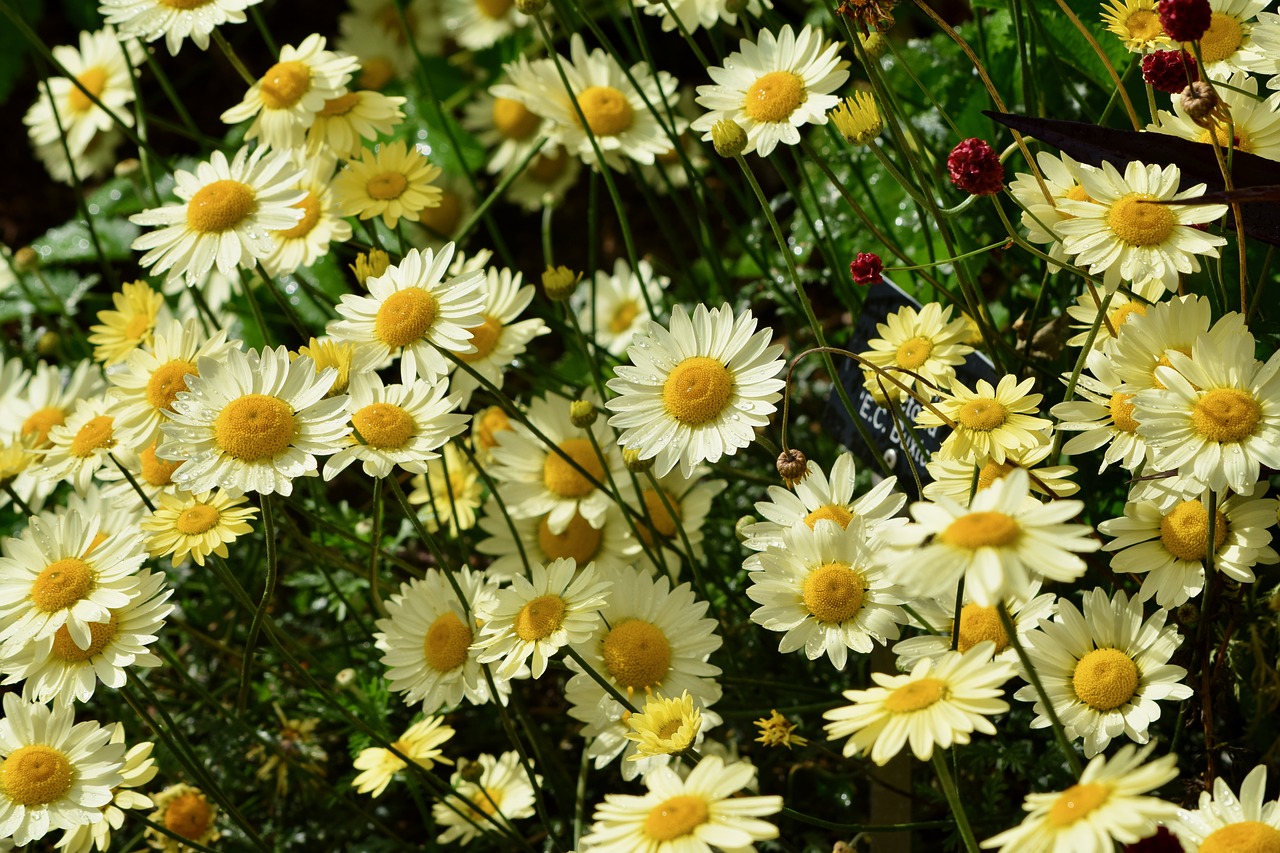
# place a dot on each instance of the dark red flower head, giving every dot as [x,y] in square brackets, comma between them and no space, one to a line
[1185,20]
[1162,842]
[867,268]
[975,168]
[1170,70]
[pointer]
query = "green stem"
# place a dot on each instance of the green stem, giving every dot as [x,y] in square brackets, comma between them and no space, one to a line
[259,615]
[1059,733]
[953,800]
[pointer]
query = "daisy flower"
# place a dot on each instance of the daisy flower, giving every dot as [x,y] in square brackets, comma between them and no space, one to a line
[1171,326]
[499,790]
[1122,235]
[98,158]
[515,542]
[392,182]
[977,624]
[536,616]
[954,479]
[925,346]
[485,427]
[999,545]
[696,392]
[1106,806]
[1059,175]
[499,340]
[1169,544]
[1224,822]
[56,775]
[55,575]
[185,811]
[344,123]
[413,311]
[449,493]
[83,444]
[138,769]
[549,176]
[664,726]
[143,393]
[355,363]
[1255,129]
[616,309]
[1228,43]
[1218,421]
[1136,301]
[372,31]
[692,14]
[537,481]
[698,814]
[138,310]
[426,640]
[1104,671]
[420,743]
[503,124]
[990,423]
[478,24]
[228,213]
[650,639]
[940,703]
[101,67]
[1137,24]
[398,425]
[49,396]
[817,497]
[194,19]
[773,86]
[617,105]
[252,422]
[56,668]
[308,241]
[197,525]
[665,534]
[824,589]
[1263,55]
[285,100]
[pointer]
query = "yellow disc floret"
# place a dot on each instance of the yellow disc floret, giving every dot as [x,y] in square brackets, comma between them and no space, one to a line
[1135,220]
[220,206]
[637,654]
[198,519]
[1226,415]
[565,481]
[833,592]
[540,618]
[774,96]
[983,414]
[254,427]
[579,541]
[484,338]
[1222,39]
[978,624]
[1076,802]
[445,645]
[384,425]
[95,435]
[405,317]
[188,815]
[36,775]
[676,817]
[1105,679]
[982,530]
[100,633]
[1247,836]
[94,81]
[913,353]
[831,512]
[61,584]
[606,109]
[513,119]
[284,84]
[167,380]
[916,695]
[697,391]
[1184,531]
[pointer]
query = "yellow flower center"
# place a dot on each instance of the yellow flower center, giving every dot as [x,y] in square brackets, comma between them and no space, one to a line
[445,216]
[916,695]
[983,414]
[774,96]
[376,72]
[220,206]
[93,436]
[637,654]
[1144,25]
[494,9]
[623,316]
[831,512]
[254,427]
[156,471]
[340,105]
[385,186]
[540,618]
[513,119]
[1226,415]
[484,338]
[39,422]
[184,5]
[100,633]
[833,592]
[284,84]
[1076,802]
[167,380]
[1120,316]
[61,584]
[1247,836]
[1222,39]
[197,519]
[405,317]
[914,353]
[607,110]
[1241,141]
[491,422]
[36,775]
[93,79]
[660,522]
[446,642]
[1121,407]
[1184,531]
[676,817]
[979,623]
[562,479]
[579,542]
[384,425]
[310,207]
[138,326]
[670,728]
[188,815]
[1105,679]
[991,472]
[982,530]
[1138,222]
[546,168]
[697,390]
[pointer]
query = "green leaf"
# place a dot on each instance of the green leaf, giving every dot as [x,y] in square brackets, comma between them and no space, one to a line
[71,243]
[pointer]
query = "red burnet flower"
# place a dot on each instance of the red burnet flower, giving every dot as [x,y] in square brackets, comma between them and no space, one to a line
[1163,841]
[974,167]
[867,268]
[1170,70]
[1185,20]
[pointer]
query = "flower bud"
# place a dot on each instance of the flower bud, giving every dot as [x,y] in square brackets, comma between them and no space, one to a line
[582,413]
[560,282]
[728,137]
[636,465]
[792,466]
[857,118]
[370,265]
